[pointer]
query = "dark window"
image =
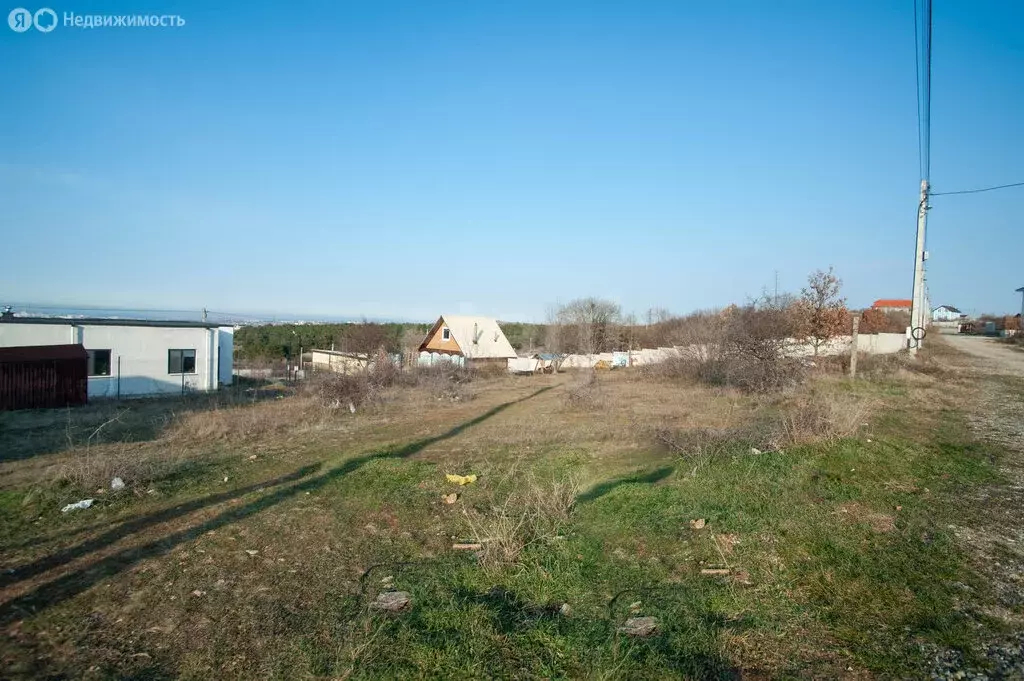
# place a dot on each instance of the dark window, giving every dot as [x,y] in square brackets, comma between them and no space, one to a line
[446,334]
[181,361]
[99,362]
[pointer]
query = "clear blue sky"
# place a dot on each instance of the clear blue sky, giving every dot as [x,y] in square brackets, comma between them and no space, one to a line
[405,159]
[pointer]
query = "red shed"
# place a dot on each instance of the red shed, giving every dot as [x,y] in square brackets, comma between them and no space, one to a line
[43,376]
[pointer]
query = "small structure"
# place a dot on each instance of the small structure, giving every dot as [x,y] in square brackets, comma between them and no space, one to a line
[134,357]
[337,361]
[548,362]
[892,305]
[474,342]
[43,376]
[946,313]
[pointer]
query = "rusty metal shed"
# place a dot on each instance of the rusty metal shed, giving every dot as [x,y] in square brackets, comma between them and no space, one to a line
[43,376]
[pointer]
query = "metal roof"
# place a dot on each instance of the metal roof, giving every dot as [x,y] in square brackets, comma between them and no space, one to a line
[477,337]
[105,321]
[39,353]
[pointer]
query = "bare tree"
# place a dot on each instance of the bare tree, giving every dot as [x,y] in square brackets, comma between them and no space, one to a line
[586,325]
[823,309]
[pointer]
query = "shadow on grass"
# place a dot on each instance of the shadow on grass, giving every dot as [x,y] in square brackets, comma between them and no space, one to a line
[29,433]
[65,587]
[138,524]
[649,478]
[511,612]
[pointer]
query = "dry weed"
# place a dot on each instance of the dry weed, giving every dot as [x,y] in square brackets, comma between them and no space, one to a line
[532,514]
[822,417]
[95,467]
[585,392]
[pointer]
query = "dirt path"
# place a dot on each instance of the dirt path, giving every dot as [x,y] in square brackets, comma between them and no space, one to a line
[993,529]
[991,356]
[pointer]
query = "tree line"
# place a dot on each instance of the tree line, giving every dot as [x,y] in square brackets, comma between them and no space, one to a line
[592,325]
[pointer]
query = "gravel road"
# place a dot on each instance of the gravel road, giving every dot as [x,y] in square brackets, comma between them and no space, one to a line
[989,354]
[993,531]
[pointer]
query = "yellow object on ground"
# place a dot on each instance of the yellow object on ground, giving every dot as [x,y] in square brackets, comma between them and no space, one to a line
[461,479]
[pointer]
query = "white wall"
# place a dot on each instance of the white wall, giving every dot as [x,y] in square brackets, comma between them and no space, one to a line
[138,354]
[226,354]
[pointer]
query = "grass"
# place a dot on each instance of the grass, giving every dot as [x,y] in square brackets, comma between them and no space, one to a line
[836,542]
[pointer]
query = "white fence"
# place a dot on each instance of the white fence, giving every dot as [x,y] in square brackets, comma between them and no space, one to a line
[870,343]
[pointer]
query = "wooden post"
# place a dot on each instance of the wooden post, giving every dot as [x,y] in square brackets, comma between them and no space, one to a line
[853,347]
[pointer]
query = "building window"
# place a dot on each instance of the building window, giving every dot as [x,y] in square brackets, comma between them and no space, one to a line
[181,361]
[446,333]
[99,362]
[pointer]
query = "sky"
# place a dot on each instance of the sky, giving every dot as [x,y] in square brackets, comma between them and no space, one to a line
[406,159]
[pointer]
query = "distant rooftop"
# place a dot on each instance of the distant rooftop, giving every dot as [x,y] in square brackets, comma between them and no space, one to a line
[101,321]
[892,302]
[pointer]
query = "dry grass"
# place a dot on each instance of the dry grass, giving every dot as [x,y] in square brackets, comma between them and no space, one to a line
[822,417]
[136,465]
[533,513]
[584,392]
[258,578]
[857,513]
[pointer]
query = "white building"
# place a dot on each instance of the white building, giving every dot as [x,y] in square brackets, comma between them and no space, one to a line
[135,357]
[474,342]
[946,313]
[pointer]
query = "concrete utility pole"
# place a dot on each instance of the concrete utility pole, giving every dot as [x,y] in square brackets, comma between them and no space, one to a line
[1021,292]
[918,313]
[853,346]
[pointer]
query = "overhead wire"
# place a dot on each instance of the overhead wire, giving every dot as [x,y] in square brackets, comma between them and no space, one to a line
[978,191]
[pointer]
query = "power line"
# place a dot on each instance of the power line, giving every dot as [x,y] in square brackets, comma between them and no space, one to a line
[978,191]
[923,64]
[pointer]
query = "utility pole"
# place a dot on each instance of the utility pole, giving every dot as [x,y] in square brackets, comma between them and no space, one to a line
[918,313]
[776,288]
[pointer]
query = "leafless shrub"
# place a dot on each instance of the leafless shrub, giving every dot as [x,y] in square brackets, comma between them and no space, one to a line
[700,442]
[584,392]
[821,417]
[532,514]
[443,381]
[348,391]
[677,369]
[93,468]
[742,347]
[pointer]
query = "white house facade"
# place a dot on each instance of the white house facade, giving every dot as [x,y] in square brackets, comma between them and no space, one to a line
[135,357]
[946,313]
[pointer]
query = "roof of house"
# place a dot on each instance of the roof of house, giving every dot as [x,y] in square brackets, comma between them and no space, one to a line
[39,353]
[489,341]
[892,302]
[106,321]
[948,307]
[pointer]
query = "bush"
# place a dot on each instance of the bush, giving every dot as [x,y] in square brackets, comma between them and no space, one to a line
[334,390]
[584,392]
[446,380]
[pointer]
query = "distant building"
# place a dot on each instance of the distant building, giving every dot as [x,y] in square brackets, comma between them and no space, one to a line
[892,305]
[337,361]
[131,357]
[946,313]
[469,341]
